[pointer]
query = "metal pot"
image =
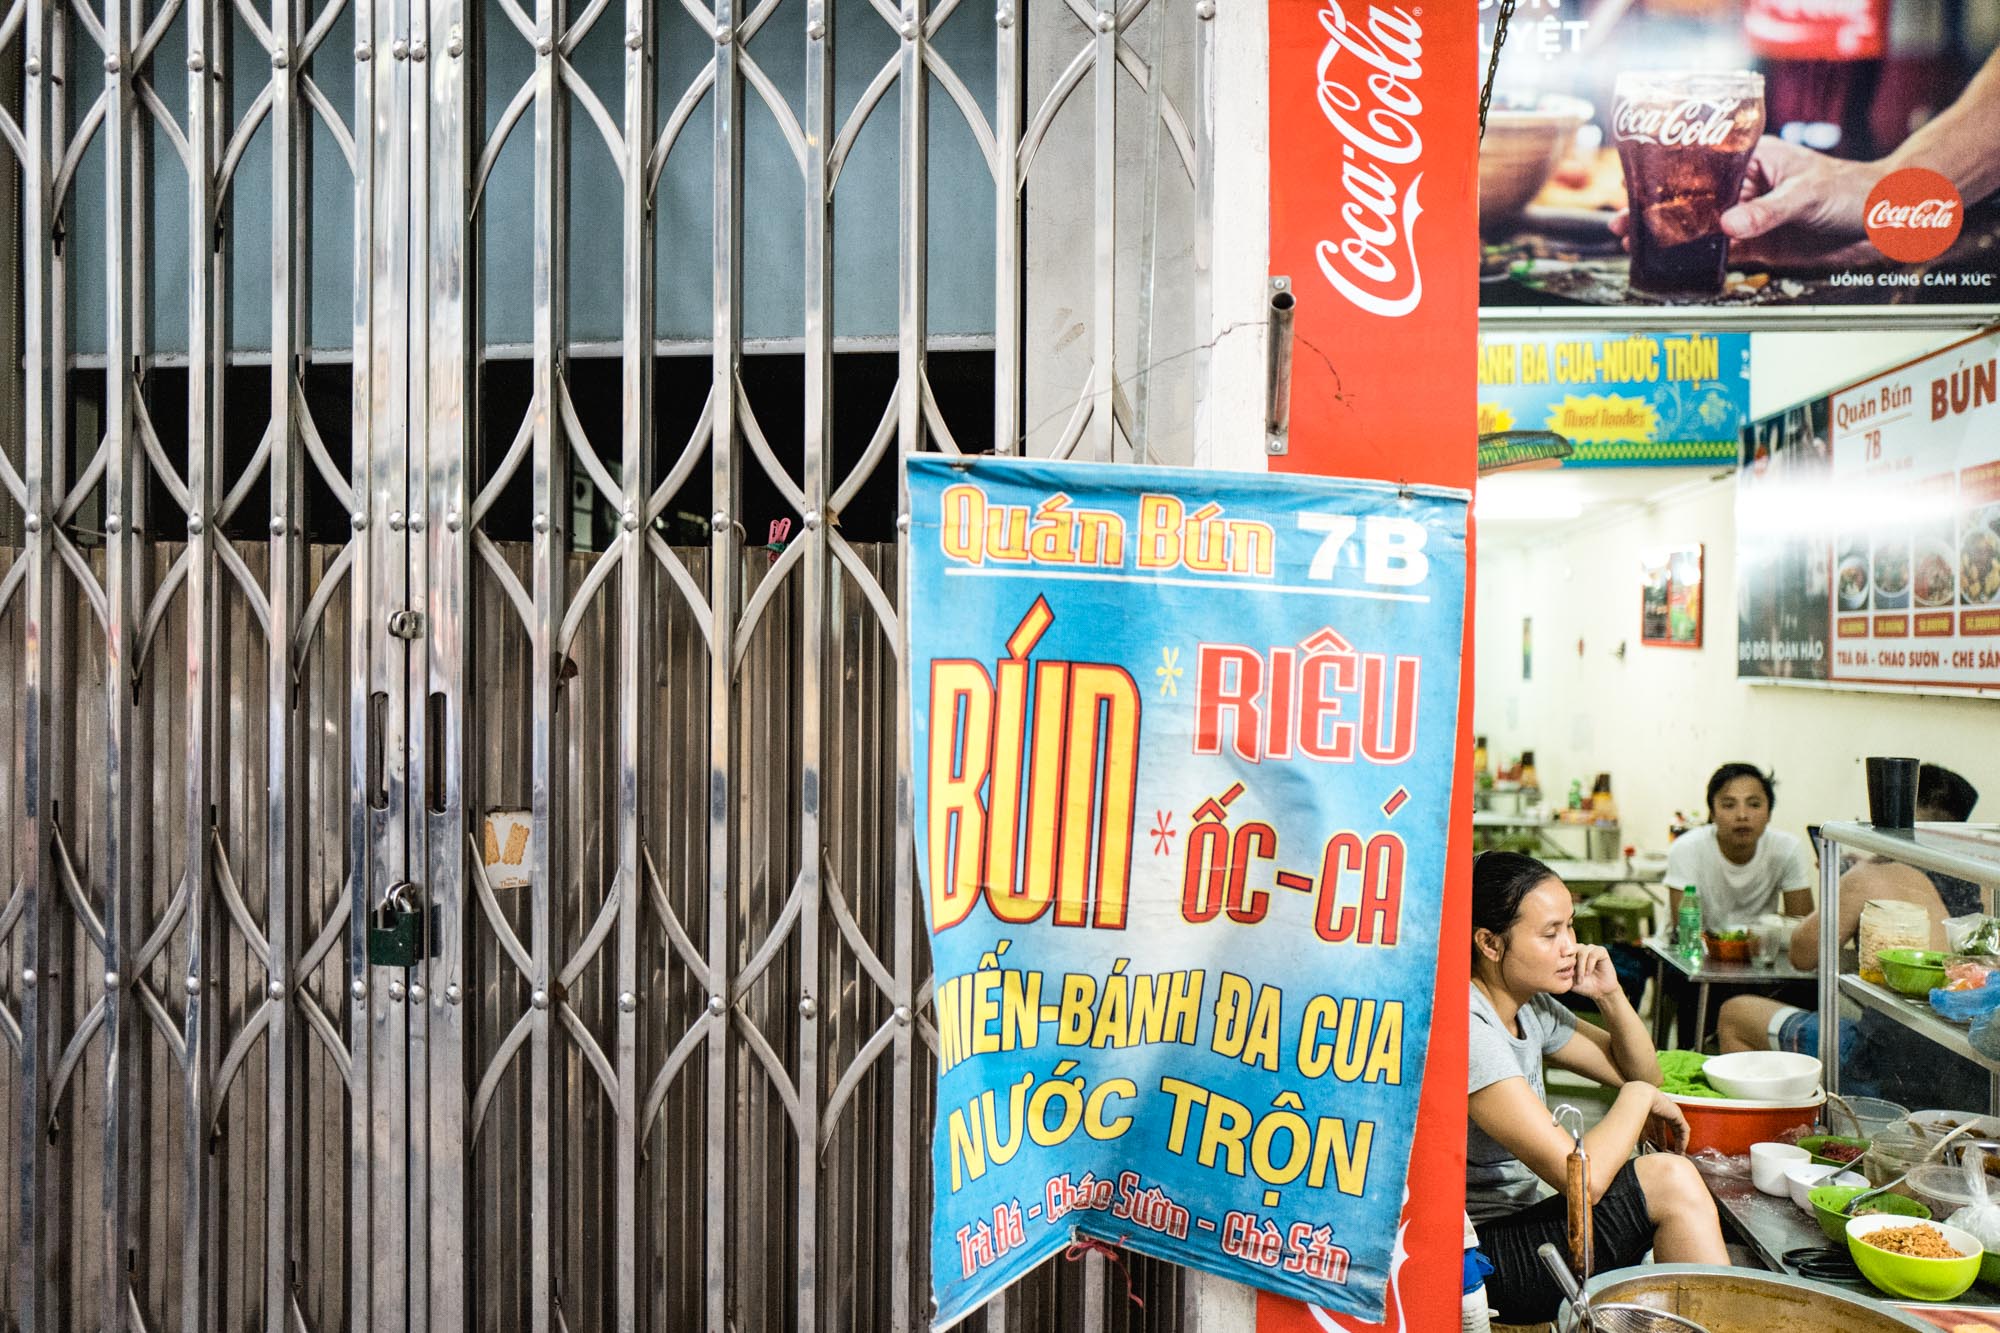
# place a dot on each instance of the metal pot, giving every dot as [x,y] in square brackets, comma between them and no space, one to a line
[1744,1300]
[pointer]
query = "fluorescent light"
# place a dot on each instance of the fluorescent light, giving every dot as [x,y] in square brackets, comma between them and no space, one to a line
[1527,498]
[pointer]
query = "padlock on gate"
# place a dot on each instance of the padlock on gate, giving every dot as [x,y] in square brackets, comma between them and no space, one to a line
[398,930]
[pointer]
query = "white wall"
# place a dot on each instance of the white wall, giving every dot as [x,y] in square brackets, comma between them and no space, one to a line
[1786,367]
[1659,720]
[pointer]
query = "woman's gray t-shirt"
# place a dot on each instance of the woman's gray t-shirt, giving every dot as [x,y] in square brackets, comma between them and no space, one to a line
[1497,1182]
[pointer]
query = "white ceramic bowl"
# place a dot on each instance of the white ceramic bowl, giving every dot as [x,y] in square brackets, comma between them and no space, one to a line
[1803,1176]
[1768,1162]
[1939,1123]
[1526,136]
[1763,1076]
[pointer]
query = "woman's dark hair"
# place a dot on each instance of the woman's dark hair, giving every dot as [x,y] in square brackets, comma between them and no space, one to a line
[1499,881]
[1728,773]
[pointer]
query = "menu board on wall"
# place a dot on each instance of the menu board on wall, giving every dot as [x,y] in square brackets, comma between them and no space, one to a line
[1868,530]
[1621,400]
[1736,161]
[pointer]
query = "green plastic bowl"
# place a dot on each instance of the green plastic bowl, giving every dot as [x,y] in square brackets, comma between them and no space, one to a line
[1814,1143]
[1907,1276]
[1913,971]
[1828,1200]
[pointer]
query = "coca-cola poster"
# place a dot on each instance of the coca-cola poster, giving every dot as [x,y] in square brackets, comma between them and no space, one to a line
[1868,531]
[1715,161]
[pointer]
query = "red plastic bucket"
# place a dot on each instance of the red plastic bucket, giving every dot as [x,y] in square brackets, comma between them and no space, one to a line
[1730,1126]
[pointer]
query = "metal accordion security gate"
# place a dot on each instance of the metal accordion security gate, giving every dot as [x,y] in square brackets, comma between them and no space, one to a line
[414,500]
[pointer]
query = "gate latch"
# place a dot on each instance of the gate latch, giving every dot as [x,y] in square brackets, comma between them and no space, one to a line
[400,932]
[406,624]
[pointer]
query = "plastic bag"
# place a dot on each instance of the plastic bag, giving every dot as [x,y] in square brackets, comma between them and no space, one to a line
[1966,1006]
[1713,1162]
[1981,1217]
[1969,971]
[1985,1034]
[1975,933]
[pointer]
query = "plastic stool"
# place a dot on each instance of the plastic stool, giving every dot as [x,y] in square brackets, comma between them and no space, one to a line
[1626,919]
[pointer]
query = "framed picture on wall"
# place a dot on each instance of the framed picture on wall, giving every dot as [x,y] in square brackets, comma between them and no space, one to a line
[1670,598]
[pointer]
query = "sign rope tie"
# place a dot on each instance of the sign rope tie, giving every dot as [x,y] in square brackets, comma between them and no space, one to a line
[1081,1245]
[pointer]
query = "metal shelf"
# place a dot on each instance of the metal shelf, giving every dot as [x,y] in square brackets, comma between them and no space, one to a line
[1494,819]
[1915,1015]
[1968,851]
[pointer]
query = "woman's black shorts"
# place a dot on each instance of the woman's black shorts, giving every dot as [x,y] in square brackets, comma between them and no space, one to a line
[1521,1288]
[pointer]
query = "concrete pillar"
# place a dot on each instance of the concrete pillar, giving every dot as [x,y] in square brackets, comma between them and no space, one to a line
[1233,433]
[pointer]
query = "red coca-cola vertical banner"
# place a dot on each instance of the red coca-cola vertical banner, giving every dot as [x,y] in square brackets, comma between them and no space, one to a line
[1374,218]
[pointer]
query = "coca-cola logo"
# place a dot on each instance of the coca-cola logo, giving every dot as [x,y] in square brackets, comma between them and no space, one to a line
[1691,124]
[1817,11]
[1938,213]
[1816,29]
[1913,215]
[1375,264]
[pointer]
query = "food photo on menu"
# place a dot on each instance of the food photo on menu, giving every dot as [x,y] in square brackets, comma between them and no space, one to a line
[1742,153]
[1979,556]
[1892,572]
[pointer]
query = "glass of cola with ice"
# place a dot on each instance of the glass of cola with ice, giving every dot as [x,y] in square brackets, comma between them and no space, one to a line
[1684,140]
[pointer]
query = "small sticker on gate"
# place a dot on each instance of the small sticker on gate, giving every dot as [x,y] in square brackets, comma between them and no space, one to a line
[504,848]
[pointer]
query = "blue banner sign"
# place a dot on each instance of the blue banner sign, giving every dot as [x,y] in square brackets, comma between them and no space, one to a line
[1622,400]
[1183,748]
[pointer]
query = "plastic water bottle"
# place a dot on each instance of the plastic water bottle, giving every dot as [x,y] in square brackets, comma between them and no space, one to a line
[1690,924]
[1473,1316]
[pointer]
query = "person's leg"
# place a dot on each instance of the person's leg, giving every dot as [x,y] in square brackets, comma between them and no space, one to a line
[1656,1202]
[1797,1030]
[1745,1022]
[1679,998]
[1521,1288]
[1685,1227]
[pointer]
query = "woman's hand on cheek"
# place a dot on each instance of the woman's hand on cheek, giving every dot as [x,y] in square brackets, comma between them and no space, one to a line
[1595,976]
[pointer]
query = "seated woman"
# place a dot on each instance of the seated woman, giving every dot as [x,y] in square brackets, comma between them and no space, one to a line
[1524,951]
[1737,863]
[1876,1058]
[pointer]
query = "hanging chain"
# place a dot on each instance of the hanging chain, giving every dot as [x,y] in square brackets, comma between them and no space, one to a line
[1493,63]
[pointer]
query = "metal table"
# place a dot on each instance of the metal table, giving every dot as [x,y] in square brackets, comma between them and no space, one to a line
[1590,876]
[1704,973]
[1770,1226]
[1774,1227]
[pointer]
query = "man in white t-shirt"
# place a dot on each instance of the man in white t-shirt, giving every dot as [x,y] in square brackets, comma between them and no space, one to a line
[1739,866]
